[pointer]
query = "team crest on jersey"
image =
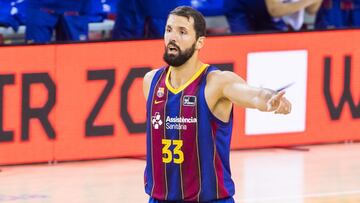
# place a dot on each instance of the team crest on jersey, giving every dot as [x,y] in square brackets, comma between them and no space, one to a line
[189,100]
[160,92]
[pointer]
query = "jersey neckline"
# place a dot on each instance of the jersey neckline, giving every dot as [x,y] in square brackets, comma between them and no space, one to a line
[182,87]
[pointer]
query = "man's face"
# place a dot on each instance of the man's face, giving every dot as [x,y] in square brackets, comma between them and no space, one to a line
[180,40]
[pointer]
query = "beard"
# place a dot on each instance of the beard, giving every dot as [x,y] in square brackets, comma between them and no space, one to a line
[180,58]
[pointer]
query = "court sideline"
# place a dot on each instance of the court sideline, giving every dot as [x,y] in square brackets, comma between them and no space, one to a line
[324,173]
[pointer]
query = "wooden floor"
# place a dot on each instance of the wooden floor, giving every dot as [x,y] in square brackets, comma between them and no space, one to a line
[324,174]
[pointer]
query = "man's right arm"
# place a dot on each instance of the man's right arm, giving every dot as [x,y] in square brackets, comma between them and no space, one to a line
[147,82]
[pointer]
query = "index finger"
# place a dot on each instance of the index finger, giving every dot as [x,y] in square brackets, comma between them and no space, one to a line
[275,100]
[279,95]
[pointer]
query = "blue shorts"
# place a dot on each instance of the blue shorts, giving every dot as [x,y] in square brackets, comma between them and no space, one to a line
[227,200]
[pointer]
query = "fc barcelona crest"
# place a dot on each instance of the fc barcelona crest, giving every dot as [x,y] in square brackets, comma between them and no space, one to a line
[160,92]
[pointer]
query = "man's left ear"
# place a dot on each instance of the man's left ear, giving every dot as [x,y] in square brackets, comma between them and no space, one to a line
[200,43]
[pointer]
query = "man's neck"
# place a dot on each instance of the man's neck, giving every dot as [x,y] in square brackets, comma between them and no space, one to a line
[180,75]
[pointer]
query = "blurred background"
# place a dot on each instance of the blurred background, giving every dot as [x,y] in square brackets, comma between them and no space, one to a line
[72,112]
[43,21]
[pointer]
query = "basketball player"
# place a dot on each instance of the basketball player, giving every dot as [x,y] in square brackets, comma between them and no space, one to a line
[189,117]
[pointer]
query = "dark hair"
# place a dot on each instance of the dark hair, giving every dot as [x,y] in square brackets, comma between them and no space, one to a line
[188,12]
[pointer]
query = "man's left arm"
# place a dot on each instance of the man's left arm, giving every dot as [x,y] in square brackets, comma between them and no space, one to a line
[240,93]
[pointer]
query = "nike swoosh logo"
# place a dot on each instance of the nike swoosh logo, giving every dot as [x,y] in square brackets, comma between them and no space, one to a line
[158,102]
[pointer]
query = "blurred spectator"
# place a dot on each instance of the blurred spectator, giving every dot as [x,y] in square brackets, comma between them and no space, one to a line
[109,8]
[18,10]
[94,10]
[142,18]
[147,18]
[209,7]
[338,14]
[267,15]
[214,13]
[98,10]
[69,18]
[7,13]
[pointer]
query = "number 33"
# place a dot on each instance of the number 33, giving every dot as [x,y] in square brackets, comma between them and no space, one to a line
[168,154]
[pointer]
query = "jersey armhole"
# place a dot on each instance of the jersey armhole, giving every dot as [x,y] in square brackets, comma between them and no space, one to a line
[210,69]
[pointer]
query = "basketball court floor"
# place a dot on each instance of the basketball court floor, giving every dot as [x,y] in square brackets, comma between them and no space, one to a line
[308,174]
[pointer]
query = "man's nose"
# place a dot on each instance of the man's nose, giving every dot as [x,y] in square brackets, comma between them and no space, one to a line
[172,37]
[172,41]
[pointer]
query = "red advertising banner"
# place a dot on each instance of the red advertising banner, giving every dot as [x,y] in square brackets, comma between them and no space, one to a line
[85,101]
[25,72]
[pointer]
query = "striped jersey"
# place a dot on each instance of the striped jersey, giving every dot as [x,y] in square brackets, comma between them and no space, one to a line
[187,146]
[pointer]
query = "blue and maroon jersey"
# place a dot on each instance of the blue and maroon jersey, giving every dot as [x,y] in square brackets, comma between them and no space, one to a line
[187,146]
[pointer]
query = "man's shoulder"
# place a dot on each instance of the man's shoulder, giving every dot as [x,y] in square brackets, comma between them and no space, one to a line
[148,78]
[218,76]
[151,74]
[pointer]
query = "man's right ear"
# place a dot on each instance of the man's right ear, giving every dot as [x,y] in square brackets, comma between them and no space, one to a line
[200,42]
